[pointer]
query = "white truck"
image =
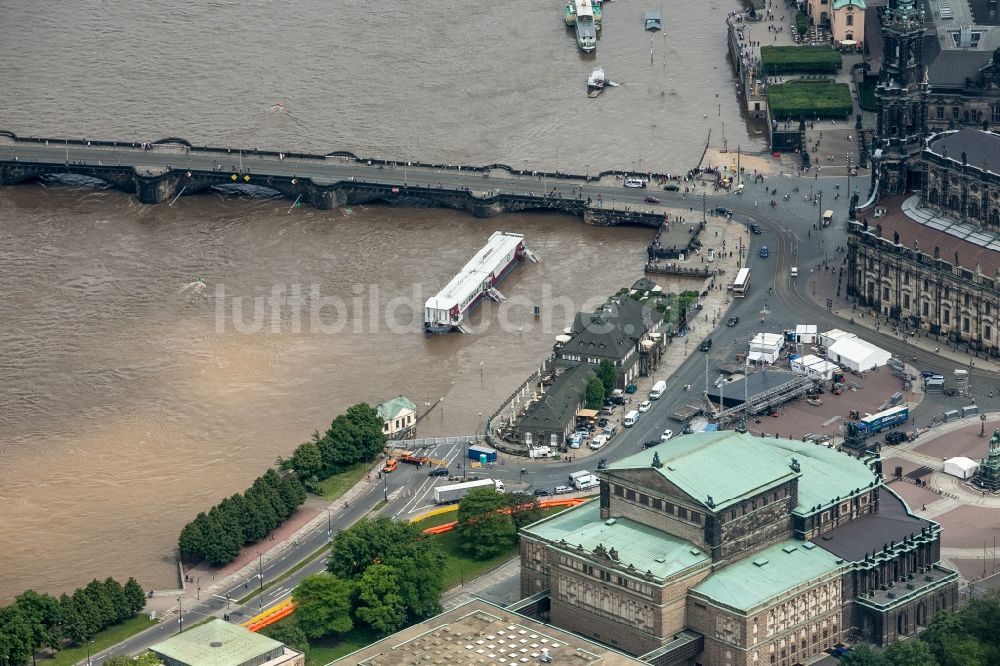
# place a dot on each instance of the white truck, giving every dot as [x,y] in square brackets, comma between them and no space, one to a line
[583,480]
[452,493]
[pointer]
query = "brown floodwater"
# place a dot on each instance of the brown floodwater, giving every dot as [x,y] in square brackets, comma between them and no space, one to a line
[156,359]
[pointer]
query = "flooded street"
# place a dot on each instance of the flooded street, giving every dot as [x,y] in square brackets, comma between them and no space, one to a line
[154,359]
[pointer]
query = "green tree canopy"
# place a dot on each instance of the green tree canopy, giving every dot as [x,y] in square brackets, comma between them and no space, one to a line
[863,655]
[379,604]
[418,560]
[307,461]
[594,397]
[910,653]
[290,634]
[483,531]
[43,613]
[17,635]
[524,509]
[323,605]
[608,375]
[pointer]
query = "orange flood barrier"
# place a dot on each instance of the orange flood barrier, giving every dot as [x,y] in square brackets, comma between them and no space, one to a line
[271,619]
[544,504]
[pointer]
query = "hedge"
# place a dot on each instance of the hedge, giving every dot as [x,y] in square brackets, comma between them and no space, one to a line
[810,100]
[801,23]
[867,93]
[800,59]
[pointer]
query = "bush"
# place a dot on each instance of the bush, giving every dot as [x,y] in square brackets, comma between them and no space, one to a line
[810,99]
[802,23]
[800,59]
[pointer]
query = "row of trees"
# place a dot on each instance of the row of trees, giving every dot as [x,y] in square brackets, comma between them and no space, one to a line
[488,521]
[969,637]
[381,573]
[352,437]
[241,520]
[35,621]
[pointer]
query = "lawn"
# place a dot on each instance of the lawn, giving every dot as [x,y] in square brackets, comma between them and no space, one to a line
[810,100]
[102,641]
[800,59]
[324,650]
[341,482]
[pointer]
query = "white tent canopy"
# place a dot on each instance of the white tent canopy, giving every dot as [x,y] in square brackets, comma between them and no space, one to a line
[766,347]
[814,366]
[805,333]
[831,336]
[962,467]
[857,355]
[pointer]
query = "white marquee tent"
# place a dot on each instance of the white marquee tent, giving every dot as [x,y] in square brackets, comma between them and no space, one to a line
[962,467]
[857,355]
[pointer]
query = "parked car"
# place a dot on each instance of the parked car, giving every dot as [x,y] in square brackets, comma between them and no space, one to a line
[651,443]
[672,188]
[541,492]
[763,252]
[559,490]
[602,422]
[651,199]
[722,210]
[896,437]
[619,399]
[598,442]
[755,228]
[440,471]
[645,405]
[705,345]
[631,388]
[667,434]
[732,321]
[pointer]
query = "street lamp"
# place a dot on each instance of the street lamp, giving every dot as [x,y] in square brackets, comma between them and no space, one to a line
[197,583]
[180,619]
[260,574]
[88,652]
[385,487]
[329,523]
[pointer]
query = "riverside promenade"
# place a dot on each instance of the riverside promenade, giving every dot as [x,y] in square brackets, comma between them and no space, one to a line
[163,170]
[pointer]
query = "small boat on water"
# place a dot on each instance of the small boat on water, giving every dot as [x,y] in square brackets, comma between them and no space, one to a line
[595,84]
[569,13]
[653,21]
[586,29]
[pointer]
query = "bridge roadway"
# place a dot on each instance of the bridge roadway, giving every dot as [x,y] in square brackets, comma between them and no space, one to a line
[164,170]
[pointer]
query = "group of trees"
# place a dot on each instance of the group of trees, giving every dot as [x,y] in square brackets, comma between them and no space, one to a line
[35,621]
[241,520]
[968,637]
[488,521]
[601,385]
[352,437]
[381,573]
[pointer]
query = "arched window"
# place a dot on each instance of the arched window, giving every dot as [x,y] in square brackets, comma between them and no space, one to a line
[974,211]
[934,197]
[953,202]
[901,624]
[995,217]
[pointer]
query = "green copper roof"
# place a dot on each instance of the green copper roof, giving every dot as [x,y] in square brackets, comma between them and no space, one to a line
[726,465]
[729,466]
[828,475]
[216,643]
[777,570]
[390,409]
[645,548]
[837,4]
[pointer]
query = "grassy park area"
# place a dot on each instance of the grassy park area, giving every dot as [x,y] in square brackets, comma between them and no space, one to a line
[810,100]
[111,636]
[800,60]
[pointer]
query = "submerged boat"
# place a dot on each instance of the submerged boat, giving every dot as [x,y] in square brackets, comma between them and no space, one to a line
[595,84]
[447,310]
[653,20]
[586,29]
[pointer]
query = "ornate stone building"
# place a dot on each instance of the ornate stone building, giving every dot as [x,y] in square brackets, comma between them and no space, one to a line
[724,548]
[933,263]
[901,94]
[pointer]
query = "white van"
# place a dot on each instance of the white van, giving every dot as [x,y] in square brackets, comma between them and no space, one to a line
[795,271]
[635,182]
[657,390]
[630,419]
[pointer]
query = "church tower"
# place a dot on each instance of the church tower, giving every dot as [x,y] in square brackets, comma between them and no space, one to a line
[902,98]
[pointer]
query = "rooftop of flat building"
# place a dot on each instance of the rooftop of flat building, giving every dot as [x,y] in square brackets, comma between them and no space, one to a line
[871,533]
[479,632]
[219,643]
[769,573]
[976,147]
[639,549]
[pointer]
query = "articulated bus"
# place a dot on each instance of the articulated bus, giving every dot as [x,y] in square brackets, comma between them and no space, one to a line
[742,284]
